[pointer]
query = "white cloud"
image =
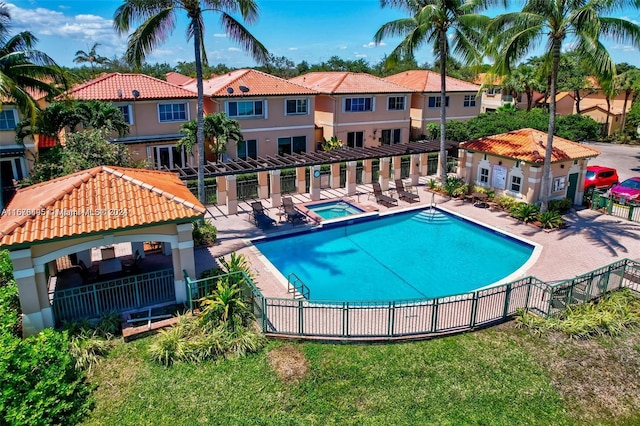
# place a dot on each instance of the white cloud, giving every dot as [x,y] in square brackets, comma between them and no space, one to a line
[292,48]
[623,47]
[359,55]
[234,49]
[342,47]
[220,35]
[371,44]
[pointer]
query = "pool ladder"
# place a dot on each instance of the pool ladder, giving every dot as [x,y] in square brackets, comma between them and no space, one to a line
[296,286]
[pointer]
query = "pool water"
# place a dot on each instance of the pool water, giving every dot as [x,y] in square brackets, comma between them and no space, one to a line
[419,254]
[334,209]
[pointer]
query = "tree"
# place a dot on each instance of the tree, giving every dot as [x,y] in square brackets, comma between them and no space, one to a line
[523,80]
[218,129]
[449,26]
[82,150]
[24,70]
[629,82]
[101,115]
[158,18]
[91,57]
[557,20]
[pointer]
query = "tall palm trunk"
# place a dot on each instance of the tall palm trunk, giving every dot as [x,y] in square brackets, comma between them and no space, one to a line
[200,109]
[546,170]
[627,93]
[577,93]
[443,105]
[529,98]
[606,123]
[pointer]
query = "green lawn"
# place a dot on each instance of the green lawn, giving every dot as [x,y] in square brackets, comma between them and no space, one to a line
[495,376]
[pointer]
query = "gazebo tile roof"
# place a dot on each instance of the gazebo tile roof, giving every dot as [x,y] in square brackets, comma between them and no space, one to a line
[97,200]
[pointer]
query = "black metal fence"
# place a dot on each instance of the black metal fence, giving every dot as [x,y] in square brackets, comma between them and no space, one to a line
[371,320]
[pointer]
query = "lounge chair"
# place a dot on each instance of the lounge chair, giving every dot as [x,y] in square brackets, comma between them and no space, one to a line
[382,199]
[260,217]
[88,274]
[292,214]
[405,195]
[132,265]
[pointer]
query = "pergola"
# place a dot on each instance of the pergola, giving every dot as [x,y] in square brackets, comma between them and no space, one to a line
[225,173]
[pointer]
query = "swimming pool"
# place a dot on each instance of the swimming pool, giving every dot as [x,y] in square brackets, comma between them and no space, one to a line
[419,254]
[334,209]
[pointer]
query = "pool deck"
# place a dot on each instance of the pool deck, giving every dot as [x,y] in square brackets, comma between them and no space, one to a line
[590,240]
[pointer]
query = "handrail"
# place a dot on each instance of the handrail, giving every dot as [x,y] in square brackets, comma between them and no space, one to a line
[297,286]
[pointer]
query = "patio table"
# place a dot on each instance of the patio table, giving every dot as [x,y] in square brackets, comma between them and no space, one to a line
[110,266]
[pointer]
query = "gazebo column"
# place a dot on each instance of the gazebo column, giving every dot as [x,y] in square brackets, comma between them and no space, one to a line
[301,180]
[384,173]
[414,169]
[85,256]
[465,169]
[351,177]
[263,185]
[221,190]
[276,197]
[397,167]
[334,181]
[232,195]
[32,291]
[314,187]
[183,260]
[367,171]
[424,164]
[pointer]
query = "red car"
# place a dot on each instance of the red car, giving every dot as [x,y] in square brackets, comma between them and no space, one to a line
[600,177]
[628,190]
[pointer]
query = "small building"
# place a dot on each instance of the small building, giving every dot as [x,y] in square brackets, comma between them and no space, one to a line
[79,224]
[511,164]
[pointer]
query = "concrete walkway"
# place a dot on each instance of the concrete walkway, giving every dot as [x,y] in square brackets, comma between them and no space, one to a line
[590,240]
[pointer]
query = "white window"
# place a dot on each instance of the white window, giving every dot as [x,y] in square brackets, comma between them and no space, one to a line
[355,139]
[358,104]
[172,112]
[558,184]
[296,144]
[127,113]
[244,109]
[297,106]
[8,119]
[170,156]
[395,103]
[492,91]
[484,175]
[436,102]
[516,183]
[390,136]
[469,101]
[247,149]
[11,169]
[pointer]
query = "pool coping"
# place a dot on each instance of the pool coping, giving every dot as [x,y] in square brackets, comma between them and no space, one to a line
[519,273]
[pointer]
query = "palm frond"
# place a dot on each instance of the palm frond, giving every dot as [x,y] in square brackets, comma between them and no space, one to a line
[239,34]
[620,30]
[149,34]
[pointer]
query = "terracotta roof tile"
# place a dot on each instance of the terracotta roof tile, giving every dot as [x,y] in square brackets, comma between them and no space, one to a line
[96,200]
[429,81]
[120,87]
[529,145]
[258,83]
[348,82]
[178,79]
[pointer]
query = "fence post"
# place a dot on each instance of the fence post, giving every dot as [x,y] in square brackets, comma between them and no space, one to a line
[136,283]
[300,318]
[507,300]
[434,316]
[392,312]
[95,299]
[526,300]
[609,206]
[264,315]
[474,309]
[631,207]
[345,319]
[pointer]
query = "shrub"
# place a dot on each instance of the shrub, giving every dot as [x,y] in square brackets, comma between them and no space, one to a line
[110,324]
[525,212]
[505,202]
[213,272]
[204,233]
[87,348]
[561,206]
[577,127]
[551,219]
[457,131]
[454,186]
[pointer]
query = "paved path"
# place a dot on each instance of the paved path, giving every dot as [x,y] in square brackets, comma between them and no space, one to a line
[590,241]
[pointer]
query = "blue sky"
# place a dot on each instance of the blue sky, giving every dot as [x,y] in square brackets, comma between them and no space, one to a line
[311,30]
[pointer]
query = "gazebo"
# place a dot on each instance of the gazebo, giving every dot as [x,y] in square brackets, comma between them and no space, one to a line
[92,211]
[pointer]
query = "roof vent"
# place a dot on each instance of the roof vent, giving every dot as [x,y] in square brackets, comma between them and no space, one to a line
[135,93]
[243,89]
[120,93]
[229,90]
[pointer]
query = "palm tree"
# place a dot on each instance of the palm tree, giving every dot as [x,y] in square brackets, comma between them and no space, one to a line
[101,115]
[91,57]
[450,26]
[525,80]
[218,129]
[559,22]
[629,82]
[158,18]
[24,70]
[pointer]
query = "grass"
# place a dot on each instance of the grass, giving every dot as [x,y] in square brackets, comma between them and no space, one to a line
[505,375]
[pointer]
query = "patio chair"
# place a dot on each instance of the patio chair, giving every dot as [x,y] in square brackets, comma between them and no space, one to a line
[382,199]
[292,214]
[405,195]
[88,274]
[260,217]
[133,264]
